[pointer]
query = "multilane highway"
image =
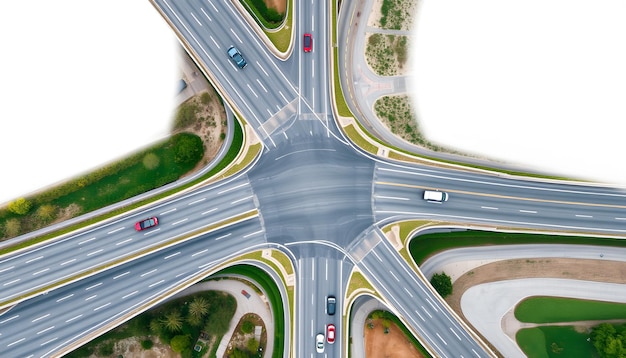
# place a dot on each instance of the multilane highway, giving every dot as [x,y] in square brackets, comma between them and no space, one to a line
[312,193]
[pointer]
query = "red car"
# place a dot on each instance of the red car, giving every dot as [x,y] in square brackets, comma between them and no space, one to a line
[307,42]
[146,224]
[330,333]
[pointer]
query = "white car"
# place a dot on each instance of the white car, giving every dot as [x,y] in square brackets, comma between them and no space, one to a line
[319,343]
[435,196]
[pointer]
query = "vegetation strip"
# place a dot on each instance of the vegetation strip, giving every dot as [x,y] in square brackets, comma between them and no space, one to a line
[232,153]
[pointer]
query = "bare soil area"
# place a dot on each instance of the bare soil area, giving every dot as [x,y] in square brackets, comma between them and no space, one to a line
[393,344]
[279,5]
[131,348]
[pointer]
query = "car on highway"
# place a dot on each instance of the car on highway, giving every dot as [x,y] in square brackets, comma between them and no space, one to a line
[330,333]
[435,196]
[147,223]
[331,303]
[236,56]
[319,343]
[307,43]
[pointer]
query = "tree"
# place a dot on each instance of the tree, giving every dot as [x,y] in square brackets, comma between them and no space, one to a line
[188,149]
[19,206]
[173,321]
[180,343]
[442,283]
[199,307]
[609,340]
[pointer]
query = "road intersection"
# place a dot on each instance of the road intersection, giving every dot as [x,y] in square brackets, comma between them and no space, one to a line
[313,193]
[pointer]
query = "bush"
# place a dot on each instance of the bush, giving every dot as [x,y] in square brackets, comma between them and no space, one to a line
[146,344]
[188,149]
[247,327]
[442,283]
[20,206]
[180,343]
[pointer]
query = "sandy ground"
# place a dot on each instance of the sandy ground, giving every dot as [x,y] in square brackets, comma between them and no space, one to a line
[279,5]
[391,345]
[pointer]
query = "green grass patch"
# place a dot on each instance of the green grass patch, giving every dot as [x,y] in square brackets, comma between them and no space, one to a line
[274,297]
[554,342]
[532,342]
[558,309]
[423,246]
[359,140]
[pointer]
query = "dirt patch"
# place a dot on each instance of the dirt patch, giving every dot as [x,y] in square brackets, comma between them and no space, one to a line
[591,270]
[247,341]
[387,55]
[279,5]
[131,348]
[397,16]
[393,344]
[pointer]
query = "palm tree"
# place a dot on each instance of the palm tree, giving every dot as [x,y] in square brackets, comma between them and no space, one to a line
[199,307]
[172,321]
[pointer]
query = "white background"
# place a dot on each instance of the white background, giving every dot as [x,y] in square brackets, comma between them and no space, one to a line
[538,82]
[82,84]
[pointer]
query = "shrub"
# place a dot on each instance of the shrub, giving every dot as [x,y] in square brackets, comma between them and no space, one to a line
[20,206]
[146,344]
[442,283]
[247,327]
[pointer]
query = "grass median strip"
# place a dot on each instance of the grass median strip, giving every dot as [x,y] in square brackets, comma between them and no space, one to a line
[221,224]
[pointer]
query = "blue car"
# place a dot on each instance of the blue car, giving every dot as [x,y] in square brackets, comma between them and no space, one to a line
[236,56]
